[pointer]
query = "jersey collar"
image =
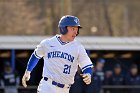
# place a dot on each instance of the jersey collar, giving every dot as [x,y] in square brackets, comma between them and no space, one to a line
[61,42]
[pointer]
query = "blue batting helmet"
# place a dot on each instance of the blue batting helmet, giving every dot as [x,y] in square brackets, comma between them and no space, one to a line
[68,20]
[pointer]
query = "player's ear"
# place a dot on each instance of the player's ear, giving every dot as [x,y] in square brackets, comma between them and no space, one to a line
[78,31]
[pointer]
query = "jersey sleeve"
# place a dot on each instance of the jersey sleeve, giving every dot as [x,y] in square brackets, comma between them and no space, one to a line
[39,51]
[83,59]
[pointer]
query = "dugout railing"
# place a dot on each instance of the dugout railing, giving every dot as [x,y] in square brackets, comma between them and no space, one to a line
[104,89]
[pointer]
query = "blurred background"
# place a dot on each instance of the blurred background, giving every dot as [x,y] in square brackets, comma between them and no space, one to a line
[110,35]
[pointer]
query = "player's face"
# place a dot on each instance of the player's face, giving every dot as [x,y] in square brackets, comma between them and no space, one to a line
[72,32]
[134,71]
[117,71]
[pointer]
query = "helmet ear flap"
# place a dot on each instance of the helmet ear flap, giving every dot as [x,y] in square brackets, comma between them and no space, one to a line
[63,30]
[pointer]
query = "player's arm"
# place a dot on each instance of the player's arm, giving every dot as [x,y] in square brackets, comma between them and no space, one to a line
[2,80]
[85,64]
[34,58]
[87,73]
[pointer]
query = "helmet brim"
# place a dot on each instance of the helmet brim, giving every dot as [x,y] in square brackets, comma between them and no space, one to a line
[80,27]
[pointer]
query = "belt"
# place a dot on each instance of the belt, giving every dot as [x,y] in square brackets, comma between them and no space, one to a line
[57,84]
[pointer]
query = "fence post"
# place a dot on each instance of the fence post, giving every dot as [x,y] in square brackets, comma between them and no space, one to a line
[13,59]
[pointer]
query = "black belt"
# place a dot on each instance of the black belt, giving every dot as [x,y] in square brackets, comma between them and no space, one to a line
[55,83]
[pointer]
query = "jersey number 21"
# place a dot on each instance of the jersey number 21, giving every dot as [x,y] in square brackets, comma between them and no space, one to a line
[67,69]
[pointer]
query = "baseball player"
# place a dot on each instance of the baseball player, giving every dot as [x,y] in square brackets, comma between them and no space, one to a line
[62,54]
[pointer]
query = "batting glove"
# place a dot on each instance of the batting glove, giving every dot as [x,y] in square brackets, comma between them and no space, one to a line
[86,78]
[25,78]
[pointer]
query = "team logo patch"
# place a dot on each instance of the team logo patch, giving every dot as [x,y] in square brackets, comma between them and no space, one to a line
[76,20]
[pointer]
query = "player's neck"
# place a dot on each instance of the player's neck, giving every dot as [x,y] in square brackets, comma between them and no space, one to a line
[64,38]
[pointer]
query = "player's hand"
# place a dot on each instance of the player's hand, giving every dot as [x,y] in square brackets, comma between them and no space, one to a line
[25,78]
[86,78]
